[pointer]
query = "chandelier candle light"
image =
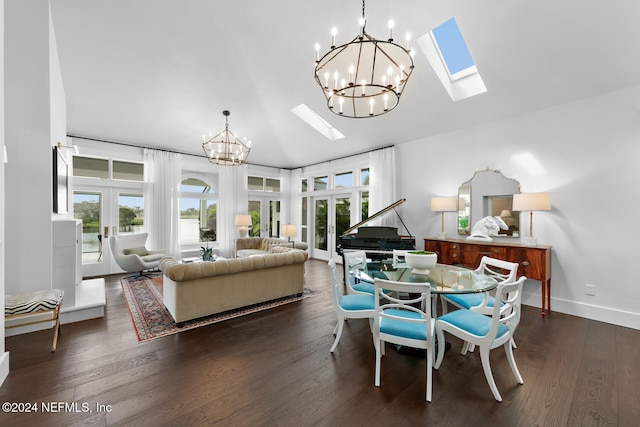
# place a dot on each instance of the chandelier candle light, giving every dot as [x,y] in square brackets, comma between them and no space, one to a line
[365,77]
[225,148]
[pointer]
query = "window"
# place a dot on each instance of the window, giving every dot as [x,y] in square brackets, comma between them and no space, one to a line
[128,171]
[256,183]
[320,183]
[364,176]
[305,226]
[304,185]
[343,180]
[453,50]
[198,212]
[87,206]
[259,183]
[90,167]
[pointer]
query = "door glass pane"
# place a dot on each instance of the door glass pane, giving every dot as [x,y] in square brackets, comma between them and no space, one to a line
[131,213]
[90,167]
[304,220]
[254,211]
[208,220]
[364,214]
[88,208]
[304,185]
[128,171]
[343,215]
[274,218]
[321,216]
[189,220]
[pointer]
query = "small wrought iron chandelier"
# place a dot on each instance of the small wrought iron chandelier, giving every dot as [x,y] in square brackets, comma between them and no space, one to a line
[365,77]
[225,148]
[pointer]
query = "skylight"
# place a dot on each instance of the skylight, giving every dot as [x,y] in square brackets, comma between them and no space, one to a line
[317,122]
[451,60]
[453,49]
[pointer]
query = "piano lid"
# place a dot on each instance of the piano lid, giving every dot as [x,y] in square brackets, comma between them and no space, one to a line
[380,213]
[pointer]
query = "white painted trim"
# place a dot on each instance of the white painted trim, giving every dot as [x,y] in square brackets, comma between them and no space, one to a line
[4,367]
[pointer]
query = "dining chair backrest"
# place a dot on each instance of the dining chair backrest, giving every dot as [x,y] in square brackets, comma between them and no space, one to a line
[351,260]
[398,256]
[508,311]
[502,271]
[335,285]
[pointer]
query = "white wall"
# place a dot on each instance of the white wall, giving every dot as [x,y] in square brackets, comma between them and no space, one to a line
[4,356]
[589,151]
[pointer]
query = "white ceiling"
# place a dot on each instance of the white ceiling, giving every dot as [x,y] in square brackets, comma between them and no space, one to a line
[159,73]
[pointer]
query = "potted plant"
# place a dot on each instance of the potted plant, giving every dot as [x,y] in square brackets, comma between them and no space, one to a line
[207,253]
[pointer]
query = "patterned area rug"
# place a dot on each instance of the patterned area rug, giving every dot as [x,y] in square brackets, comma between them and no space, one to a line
[151,319]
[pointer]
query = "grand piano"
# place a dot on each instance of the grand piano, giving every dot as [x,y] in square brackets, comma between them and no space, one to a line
[377,242]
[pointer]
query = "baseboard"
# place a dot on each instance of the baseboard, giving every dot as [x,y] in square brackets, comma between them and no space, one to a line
[4,367]
[623,318]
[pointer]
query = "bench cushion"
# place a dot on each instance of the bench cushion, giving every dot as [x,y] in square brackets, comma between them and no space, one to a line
[31,302]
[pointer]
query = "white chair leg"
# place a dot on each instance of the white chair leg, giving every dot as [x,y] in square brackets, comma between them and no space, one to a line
[379,344]
[441,346]
[486,366]
[429,373]
[444,305]
[339,326]
[465,347]
[508,348]
[513,343]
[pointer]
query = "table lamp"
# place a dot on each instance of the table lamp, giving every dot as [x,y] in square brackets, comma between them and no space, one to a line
[289,231]
[243,221]
[442,205]
[531,202]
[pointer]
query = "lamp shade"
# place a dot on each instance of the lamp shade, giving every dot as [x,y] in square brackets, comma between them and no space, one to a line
[243,220]
[505,213]
[531,202]
[289,230]
[444,204]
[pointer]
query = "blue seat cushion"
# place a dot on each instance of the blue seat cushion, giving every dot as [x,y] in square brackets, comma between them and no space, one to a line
[472,322]
[469,300]
[357,302]
[364,287]
[415,331]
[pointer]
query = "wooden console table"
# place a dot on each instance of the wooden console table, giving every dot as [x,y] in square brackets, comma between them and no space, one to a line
[534,261]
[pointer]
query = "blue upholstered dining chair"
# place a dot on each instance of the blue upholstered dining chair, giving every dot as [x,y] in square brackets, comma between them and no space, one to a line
[355,286]
[502,271]
[399,321]
[356,306]
[486,332]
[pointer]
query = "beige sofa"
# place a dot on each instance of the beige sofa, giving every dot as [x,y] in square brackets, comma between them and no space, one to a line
[250,246]
[199,289]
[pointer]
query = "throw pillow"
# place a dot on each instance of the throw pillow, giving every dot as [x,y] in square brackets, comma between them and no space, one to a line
[141,251]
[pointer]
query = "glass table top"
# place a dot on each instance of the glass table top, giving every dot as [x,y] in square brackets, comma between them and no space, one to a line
[444,279]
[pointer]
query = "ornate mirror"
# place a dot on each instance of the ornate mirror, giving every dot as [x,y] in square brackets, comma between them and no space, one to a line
[488,193]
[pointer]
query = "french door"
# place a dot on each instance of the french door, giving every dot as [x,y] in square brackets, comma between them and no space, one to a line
[105,211]
[265,217]
[331,217]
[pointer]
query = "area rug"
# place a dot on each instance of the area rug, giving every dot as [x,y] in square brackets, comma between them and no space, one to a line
[151,319]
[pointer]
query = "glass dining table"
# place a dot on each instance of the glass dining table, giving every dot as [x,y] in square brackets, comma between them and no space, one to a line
[443,279]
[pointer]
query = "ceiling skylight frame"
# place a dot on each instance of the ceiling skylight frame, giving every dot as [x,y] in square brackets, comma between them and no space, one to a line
[312,118]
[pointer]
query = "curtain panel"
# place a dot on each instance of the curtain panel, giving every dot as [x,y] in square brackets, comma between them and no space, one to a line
[162,200]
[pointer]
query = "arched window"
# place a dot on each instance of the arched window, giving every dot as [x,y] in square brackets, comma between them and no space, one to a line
[198,211]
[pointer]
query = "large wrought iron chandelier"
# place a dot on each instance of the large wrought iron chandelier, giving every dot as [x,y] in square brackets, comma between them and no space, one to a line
[365,77]
[225,148]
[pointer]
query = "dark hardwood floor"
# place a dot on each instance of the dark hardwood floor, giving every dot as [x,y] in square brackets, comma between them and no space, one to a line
[274,368]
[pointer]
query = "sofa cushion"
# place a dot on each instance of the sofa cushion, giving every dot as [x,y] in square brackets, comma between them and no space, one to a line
[243,253]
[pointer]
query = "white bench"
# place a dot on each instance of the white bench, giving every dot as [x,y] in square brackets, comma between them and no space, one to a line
[27,304]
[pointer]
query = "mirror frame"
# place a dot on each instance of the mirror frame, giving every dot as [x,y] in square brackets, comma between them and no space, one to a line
[476,194]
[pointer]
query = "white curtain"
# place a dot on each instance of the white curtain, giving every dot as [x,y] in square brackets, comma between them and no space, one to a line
[295,207]
[162,200]
[233,200]
[382,185]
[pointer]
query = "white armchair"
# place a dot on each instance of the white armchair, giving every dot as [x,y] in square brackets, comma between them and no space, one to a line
[131,255]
